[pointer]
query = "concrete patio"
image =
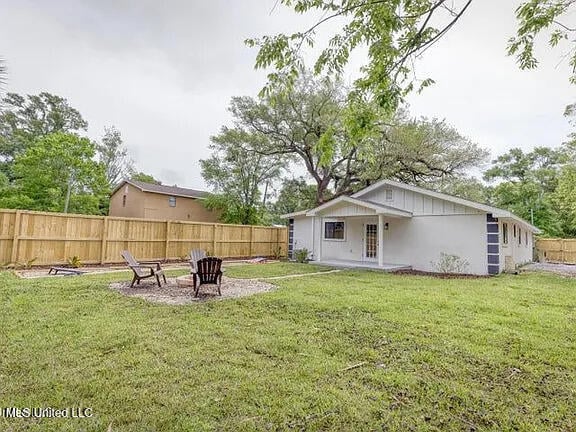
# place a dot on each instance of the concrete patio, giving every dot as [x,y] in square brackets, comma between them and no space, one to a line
[363,265]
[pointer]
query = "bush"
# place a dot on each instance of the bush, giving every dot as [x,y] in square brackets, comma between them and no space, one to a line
[301,255]
[74,262]
[449,263]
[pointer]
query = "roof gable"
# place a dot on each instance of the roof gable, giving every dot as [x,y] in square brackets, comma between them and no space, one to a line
[375,208]
[496,212]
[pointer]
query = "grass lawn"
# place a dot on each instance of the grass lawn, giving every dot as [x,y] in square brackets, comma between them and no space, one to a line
[485,354]
[271,270]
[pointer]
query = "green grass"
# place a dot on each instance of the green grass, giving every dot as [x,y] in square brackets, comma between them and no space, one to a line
[485,354]
[272,270]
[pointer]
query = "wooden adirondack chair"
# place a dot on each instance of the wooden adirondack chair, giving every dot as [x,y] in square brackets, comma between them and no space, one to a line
[195,256]
[143,269]
[208,272]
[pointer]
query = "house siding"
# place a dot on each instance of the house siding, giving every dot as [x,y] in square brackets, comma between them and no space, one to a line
[417,203]
[135,200]
[515,253]
[420,241]
[151,205]
[302,235]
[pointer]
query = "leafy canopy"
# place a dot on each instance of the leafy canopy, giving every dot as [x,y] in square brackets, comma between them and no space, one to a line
[237,175]
[47,168]
[395,33]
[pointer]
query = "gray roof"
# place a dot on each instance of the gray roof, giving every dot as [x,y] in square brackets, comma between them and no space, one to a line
[163,189]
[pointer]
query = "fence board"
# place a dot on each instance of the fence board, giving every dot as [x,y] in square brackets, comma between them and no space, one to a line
[556,250]
[52,238]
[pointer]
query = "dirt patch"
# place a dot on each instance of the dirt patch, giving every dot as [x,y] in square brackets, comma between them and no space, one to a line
[171,293]
[42,271]
[439,275]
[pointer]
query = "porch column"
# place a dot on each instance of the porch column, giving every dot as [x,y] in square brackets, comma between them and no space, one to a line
[319,257]
[380,240]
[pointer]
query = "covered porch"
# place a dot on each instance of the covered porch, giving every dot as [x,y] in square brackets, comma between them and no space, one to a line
[353,234]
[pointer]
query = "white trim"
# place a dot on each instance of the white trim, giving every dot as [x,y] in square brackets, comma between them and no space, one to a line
[496,212]
[294,214]
[377,208]
[333,220]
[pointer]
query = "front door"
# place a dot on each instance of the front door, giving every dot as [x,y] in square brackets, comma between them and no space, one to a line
[370,242]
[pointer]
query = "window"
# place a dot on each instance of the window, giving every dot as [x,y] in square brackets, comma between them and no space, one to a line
[526,237]
[504,233]
[519,236]
[334,230]
[514,231]
[172,201]
[389,195]
[123,200]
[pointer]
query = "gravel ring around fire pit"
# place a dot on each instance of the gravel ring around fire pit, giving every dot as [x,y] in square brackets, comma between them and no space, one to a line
[175,294]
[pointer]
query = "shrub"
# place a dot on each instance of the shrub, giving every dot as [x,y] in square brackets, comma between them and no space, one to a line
[449,263]
[74,262]
[301,255]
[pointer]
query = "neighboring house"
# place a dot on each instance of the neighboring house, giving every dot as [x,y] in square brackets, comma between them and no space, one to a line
[390,225]
[151,201]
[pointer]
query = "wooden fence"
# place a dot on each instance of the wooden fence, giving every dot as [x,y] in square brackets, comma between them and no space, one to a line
[52,238]
[556,250]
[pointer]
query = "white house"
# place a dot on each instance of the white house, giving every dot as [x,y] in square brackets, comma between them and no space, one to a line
[393,225]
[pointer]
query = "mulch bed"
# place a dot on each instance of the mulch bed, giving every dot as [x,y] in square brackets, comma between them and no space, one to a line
[171,293]
[440,275]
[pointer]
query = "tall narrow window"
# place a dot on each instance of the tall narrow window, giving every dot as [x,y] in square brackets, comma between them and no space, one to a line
[504,233]
[123,200]
[389,195]
[172,201]
[526,237]
[514,231]
[519,236]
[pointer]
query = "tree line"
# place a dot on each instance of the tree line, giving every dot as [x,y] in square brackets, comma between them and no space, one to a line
[48,164]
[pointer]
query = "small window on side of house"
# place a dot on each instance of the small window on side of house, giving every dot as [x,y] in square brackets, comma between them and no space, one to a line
[123,200]
[519,236]
[389,194]
[514,231]
[526,237]
[334,230]
[172,201]
[504,233]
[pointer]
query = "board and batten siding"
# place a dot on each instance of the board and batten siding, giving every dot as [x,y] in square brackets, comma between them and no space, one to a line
[417,203]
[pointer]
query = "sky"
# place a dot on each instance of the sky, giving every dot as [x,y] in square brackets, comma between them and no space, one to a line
[163,73]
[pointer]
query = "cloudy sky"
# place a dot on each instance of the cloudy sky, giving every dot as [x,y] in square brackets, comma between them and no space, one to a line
[164,72]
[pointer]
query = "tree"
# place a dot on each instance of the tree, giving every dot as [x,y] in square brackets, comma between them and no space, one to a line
[145,178]
[527,181]
[53,165]
[311,125]
[564,200]
[114,156]
[396,33]
[295,194]
[468,188]
[26,119]
[237,176]
[534,17]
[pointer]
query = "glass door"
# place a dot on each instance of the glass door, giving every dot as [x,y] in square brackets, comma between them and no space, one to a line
[370,241]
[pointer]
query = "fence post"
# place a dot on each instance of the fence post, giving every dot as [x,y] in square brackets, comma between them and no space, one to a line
[166,245]
[17,219]
[251,241]
[214,240]
[104,242]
